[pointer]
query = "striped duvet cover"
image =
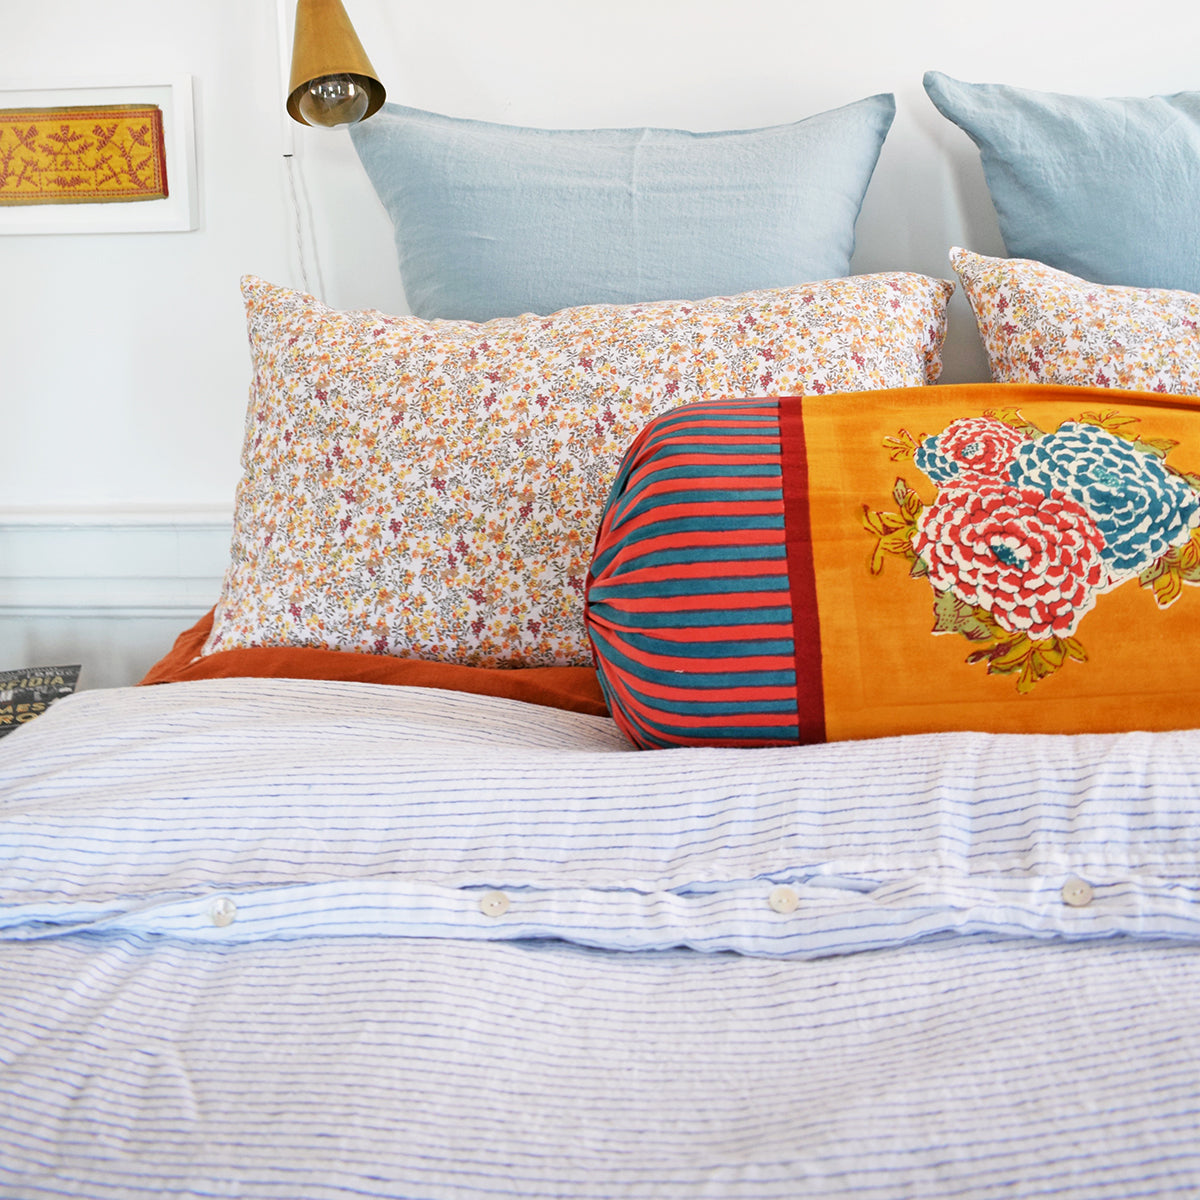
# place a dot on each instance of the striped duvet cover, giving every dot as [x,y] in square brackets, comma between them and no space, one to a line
[271,938]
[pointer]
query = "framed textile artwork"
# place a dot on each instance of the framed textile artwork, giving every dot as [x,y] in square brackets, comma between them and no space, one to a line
[102,158]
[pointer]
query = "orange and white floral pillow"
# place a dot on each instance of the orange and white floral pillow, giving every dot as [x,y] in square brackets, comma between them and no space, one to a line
[1041,325]
[432,489]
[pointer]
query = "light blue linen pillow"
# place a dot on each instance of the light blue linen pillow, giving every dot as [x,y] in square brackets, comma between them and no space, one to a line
[1106,189]
[495,220]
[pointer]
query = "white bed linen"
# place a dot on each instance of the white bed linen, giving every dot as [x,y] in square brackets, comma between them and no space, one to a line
[292,808]
[334,1038]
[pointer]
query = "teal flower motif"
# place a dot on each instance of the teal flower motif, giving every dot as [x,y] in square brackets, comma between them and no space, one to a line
[1140,507]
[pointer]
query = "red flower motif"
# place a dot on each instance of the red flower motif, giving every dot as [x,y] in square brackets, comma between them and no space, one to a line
[1032,561]
[980,444]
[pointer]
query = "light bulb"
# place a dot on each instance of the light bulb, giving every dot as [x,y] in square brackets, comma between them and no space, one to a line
[335,100]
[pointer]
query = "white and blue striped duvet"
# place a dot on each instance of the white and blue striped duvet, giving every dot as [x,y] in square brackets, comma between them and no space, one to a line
[249,811]
[297,940]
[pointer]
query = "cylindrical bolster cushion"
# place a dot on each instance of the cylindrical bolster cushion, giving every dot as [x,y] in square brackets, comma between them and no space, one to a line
[701,565]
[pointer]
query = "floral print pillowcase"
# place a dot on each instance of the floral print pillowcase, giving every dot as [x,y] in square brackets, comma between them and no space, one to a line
[1041,325]
[431,489]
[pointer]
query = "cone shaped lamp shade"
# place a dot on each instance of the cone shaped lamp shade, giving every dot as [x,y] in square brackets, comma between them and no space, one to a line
[333,82]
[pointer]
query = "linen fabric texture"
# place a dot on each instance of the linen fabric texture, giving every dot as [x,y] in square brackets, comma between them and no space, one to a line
[459,1054]
[1003,558]
[329,811]
[1103,188]
[1040,325]
[498,220]
[431,490]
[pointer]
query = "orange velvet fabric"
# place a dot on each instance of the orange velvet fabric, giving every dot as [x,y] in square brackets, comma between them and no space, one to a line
[899,658]
[574,689]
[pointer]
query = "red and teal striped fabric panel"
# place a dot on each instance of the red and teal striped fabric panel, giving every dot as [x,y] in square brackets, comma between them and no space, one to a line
[701,599]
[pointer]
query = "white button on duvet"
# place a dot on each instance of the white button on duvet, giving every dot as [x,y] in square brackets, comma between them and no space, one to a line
[1077,892]
[223,911]
[493,904]
[783,899]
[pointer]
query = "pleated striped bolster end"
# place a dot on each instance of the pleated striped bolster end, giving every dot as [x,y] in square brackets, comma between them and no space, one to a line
[701,599]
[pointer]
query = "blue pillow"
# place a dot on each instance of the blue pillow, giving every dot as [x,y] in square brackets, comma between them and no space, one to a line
[495,220]
[1108,190]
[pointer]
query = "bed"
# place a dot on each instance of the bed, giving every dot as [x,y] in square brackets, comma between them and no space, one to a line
[615,767]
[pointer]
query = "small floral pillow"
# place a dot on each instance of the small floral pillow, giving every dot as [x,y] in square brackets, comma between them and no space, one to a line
[1041,325]
[432,489]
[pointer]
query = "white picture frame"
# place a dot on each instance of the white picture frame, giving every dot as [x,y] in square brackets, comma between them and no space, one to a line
[176,212]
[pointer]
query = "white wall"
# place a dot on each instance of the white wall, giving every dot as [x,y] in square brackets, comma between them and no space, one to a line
[122,358]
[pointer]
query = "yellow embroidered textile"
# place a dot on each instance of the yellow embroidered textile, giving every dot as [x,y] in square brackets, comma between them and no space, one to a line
[1015,558]
[85,155]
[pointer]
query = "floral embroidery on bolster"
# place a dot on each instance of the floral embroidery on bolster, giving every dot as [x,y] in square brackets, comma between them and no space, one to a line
[1028,529]
[1141,508]
[973,446]
[1034,562]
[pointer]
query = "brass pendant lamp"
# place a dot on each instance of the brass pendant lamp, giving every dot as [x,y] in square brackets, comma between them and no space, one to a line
[332,82]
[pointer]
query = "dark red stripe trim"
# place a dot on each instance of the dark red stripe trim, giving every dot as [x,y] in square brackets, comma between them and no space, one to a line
[806,625]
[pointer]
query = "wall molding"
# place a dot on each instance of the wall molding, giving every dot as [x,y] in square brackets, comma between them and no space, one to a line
[115,562]
[39,516]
